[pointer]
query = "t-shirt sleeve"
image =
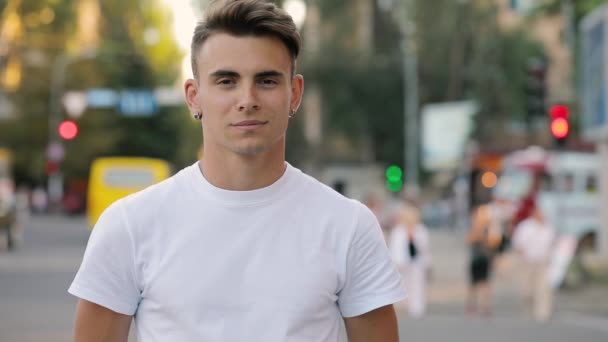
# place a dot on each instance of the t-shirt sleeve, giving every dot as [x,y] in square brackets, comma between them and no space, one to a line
[372,280]
[107,274]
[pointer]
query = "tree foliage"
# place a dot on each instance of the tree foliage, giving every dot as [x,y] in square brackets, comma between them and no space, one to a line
[580,7]
[461,52]
[123,60]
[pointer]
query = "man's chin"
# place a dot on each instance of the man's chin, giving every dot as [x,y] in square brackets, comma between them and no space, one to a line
[251,150]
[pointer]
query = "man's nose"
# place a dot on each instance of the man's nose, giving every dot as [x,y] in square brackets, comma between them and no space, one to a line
[249,99]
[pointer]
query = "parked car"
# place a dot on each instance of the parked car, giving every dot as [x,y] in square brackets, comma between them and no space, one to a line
[8,202]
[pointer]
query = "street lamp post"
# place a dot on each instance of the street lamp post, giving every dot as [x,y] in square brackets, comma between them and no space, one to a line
[58,76]
[403,11]
[410,69]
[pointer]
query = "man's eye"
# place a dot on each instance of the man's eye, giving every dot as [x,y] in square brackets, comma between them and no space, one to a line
[225,81]
[268,82]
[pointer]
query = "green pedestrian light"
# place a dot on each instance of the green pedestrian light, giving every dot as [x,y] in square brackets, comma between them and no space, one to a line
[394,178]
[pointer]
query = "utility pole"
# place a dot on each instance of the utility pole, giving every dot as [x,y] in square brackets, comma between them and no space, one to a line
[404,11]
[410,54]
[55,180]
[569,32]
[57,85]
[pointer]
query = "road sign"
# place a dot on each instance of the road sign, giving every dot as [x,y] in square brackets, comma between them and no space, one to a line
[55,152]
[137,103]
[168,96]
[102,98]
[445,129]
[75,103]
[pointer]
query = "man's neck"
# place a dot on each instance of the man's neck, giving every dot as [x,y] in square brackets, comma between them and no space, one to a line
[231,171]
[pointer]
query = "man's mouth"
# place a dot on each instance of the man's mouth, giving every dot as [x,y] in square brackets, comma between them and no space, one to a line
[250,124]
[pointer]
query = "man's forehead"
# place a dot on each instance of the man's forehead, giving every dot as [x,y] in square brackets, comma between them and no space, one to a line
[243,54]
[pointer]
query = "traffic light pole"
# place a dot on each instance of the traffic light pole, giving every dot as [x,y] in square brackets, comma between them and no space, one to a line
[411,102]
[403,10]
[58,75]
[407,25]
[55,180]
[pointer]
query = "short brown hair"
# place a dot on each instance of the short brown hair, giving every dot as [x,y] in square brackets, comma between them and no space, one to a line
[246,18]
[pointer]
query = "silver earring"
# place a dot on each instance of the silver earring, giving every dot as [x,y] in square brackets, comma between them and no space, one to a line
[292,113]
[198,115]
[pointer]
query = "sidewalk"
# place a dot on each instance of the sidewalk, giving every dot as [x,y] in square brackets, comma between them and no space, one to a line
[447,289]
[449,267]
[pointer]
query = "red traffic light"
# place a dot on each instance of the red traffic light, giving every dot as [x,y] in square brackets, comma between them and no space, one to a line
[560,127]
[68,130]
[559,111]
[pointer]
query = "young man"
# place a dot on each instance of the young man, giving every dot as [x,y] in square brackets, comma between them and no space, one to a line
[240,246]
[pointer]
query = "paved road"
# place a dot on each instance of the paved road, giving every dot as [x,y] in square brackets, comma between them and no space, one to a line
[34,304]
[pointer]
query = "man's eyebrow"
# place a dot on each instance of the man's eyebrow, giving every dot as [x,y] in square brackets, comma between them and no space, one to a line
[269,73]
[223,73]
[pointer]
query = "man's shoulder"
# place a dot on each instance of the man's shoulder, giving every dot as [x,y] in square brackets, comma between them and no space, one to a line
[323,199]
[322,193]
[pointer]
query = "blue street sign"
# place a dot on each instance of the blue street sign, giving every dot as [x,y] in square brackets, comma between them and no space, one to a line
[137,102]
[101,98]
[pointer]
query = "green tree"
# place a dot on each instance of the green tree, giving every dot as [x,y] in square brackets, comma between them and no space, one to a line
[26,134]
[123,60]
[580,7]
[462,54]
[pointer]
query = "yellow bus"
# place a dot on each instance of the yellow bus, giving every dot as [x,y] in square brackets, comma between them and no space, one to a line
[112,178]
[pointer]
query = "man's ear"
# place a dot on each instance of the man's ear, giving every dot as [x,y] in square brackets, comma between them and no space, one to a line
[297,91]
[191,91]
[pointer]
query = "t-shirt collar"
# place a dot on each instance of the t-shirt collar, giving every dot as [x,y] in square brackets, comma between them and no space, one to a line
[248,197]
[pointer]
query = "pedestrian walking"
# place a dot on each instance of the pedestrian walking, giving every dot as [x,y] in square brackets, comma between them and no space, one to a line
[485,238]
[410,249]
[533,240]
[241,245]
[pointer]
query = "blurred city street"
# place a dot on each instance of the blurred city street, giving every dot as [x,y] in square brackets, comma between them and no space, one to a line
[34,304]
[476,132]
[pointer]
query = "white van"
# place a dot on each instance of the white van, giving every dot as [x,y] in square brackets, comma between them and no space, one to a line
[565,184]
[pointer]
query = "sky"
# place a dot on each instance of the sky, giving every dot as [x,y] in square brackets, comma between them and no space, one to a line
[185,18]
[184,21]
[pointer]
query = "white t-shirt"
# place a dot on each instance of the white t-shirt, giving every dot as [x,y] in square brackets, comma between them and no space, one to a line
[193,262]
[534,240]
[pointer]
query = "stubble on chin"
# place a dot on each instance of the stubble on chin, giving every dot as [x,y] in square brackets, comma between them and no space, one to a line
[250,150]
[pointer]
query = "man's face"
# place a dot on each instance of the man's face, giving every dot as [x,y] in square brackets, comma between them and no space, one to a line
[245,91]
